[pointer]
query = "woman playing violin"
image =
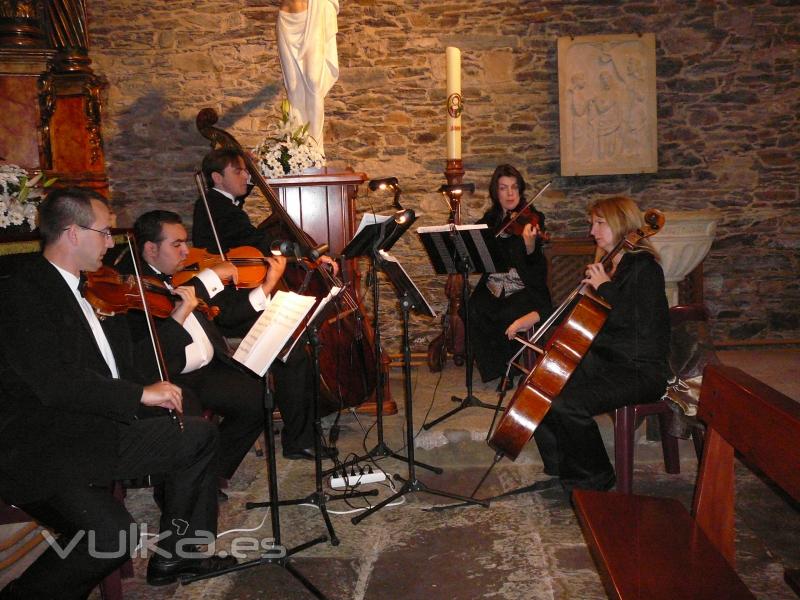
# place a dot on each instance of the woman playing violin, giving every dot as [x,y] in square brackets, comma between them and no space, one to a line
[626,364]
[500,299]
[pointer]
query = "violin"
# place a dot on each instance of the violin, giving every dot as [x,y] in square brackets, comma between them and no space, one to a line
[515,221]
[110,293]
[250,262]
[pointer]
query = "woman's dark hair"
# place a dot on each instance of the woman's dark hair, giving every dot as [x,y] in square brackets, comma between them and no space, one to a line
[495,213]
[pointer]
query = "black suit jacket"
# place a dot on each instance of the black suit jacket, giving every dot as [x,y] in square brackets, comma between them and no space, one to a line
[60,409]
[233,225]
[236,313]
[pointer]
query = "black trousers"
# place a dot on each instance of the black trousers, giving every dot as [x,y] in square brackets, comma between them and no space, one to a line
[236,396]
[568,437]
[489,317]
[101,528]
[293,395]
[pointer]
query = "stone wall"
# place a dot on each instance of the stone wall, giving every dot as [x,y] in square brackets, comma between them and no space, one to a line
[728,105]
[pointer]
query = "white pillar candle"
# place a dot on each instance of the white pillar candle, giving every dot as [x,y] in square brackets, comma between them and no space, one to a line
[454,103]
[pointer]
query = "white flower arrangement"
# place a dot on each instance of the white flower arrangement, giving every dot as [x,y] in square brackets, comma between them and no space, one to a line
[290,150]
[20,195]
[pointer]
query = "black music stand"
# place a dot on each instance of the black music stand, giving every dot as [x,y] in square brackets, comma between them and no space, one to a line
[370,241]
[277,555]
[318,497]
[410,299]
[463,249]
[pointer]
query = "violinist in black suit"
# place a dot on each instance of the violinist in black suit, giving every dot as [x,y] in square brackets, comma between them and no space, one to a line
[197,354]
[71,399]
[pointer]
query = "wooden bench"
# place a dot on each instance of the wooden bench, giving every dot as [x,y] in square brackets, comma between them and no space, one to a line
[652,548]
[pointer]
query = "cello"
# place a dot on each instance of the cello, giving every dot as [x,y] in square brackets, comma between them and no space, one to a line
[562,354]
[347,361]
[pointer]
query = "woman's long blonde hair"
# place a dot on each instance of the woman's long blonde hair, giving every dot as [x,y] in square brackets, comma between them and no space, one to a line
[622,216]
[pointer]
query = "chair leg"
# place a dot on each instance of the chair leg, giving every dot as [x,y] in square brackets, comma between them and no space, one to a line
[669,445]
[624,429]
[697,439]
[111,586]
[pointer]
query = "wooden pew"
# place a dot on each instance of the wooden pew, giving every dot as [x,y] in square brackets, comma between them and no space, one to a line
[652,548]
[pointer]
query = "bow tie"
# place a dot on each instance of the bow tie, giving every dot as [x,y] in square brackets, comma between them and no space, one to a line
[82,283]
[165,278]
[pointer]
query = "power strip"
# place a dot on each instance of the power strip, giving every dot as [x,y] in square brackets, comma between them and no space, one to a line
[354,480]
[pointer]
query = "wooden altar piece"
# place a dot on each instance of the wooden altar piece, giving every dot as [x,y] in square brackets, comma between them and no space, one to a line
[323,204]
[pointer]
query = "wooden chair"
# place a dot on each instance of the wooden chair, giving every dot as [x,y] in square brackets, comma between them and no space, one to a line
[646,547]
[628,418]
[110,587]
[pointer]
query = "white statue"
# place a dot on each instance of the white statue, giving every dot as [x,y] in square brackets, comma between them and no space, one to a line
[307,48]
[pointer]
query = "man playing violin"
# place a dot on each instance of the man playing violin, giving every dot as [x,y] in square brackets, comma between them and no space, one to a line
[228,180]
[72,398]
[196,351]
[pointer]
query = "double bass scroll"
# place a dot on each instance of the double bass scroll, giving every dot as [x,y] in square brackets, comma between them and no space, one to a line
[347,357]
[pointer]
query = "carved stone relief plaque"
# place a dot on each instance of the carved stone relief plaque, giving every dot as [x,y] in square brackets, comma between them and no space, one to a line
[607,104]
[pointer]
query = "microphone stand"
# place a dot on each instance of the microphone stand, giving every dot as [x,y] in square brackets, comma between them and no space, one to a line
[318,497]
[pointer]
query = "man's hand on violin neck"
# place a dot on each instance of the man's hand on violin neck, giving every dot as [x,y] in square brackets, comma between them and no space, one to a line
[227,272]
[163,394]
[187,303]
[277,267]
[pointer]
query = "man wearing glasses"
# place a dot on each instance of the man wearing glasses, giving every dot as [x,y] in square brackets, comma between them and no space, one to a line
[70,406]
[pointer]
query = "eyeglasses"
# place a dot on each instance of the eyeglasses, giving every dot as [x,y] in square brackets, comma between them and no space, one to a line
[105,232]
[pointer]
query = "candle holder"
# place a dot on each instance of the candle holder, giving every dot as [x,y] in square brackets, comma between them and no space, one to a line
[454,171]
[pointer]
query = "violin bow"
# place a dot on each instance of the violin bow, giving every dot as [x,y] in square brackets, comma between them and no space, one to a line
[201,187]
[159,354]
[521,210]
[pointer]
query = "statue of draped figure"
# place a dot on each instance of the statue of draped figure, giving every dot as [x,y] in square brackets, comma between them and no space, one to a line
[309,60]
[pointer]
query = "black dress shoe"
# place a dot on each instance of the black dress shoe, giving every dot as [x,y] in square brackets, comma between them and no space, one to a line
[308,453]
[163,571]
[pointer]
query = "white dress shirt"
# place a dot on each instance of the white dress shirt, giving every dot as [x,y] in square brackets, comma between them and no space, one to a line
[94,323]
[201,352]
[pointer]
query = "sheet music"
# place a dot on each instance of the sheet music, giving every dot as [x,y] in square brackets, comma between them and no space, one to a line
[323,302]
[272,330]
[448,245]
[443,228]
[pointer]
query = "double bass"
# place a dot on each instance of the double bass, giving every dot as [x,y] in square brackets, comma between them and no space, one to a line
[347,360]
[562,354]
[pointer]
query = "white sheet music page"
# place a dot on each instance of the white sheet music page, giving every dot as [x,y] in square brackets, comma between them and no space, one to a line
[323,302]
[272,330]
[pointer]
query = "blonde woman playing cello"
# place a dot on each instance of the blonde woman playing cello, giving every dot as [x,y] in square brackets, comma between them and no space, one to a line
[626,364]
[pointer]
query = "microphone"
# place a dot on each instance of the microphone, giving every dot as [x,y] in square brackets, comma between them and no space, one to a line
[291,250]
[285,248]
